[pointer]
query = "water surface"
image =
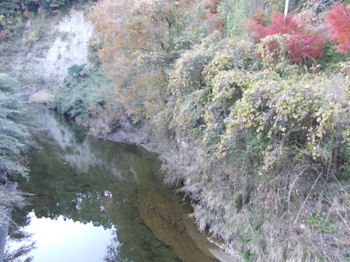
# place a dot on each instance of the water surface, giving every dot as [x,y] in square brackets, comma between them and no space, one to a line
[99,201]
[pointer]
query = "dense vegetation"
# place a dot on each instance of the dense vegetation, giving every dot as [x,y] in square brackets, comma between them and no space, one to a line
[13,13]
[251,117]
[13,140]
[87,98]
[13,134]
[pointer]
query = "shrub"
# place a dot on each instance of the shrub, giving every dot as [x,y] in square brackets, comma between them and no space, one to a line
[330,55]
[273,49]
[293,115]
[13,136]
[78,91]
[88,98]
[234,53]
[214,22]
[282,25]
[187,74]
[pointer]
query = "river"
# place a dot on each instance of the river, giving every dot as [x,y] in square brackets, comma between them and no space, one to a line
[98,201]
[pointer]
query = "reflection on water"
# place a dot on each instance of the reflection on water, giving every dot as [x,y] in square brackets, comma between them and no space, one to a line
[98,195]
[65,240]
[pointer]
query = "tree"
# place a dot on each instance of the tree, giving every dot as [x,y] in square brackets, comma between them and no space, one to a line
[302,43]
[140,39]
[286,7]
[13,135]
[338,18]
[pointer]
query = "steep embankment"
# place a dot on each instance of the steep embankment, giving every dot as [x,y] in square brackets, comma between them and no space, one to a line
[47,48]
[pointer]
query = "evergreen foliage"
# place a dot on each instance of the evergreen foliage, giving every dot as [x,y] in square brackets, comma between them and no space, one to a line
[13,136]
[87,94]
[82,89]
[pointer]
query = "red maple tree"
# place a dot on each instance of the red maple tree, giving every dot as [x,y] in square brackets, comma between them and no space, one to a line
[302,44]
[305,46]
[338,18]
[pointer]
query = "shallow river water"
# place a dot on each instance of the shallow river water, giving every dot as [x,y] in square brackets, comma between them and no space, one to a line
[99,201]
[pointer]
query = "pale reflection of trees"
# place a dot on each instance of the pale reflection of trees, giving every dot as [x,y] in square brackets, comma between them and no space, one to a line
[12,256]
[113,250]
[17,235]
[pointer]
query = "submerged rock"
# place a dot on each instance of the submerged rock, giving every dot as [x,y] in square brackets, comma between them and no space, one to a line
[171,224]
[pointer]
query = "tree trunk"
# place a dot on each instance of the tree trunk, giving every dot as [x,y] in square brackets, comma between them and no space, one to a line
[4,228]
[286,7]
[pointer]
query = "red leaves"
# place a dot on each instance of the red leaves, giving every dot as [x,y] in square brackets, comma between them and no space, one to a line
[339,20]
[281,25]
[305,46]
[302,44]
[214,22]
[258,29]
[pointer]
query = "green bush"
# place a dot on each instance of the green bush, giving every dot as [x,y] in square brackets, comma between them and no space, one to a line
[81,90]
[13,136]
[330,56]
[88,98]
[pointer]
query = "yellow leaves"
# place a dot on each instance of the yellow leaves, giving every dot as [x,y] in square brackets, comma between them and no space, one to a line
[33,36]
[230,84]
[187,76]
[273,50]
[346,134]
[296,111]
[131,31]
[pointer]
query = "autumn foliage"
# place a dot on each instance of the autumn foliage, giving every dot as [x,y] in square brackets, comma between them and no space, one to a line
[339,21]
[214,22]
[280,25]
[302,44]
[212,5]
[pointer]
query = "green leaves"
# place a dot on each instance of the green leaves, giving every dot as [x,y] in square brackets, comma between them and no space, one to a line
[88,98]
[13,136]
